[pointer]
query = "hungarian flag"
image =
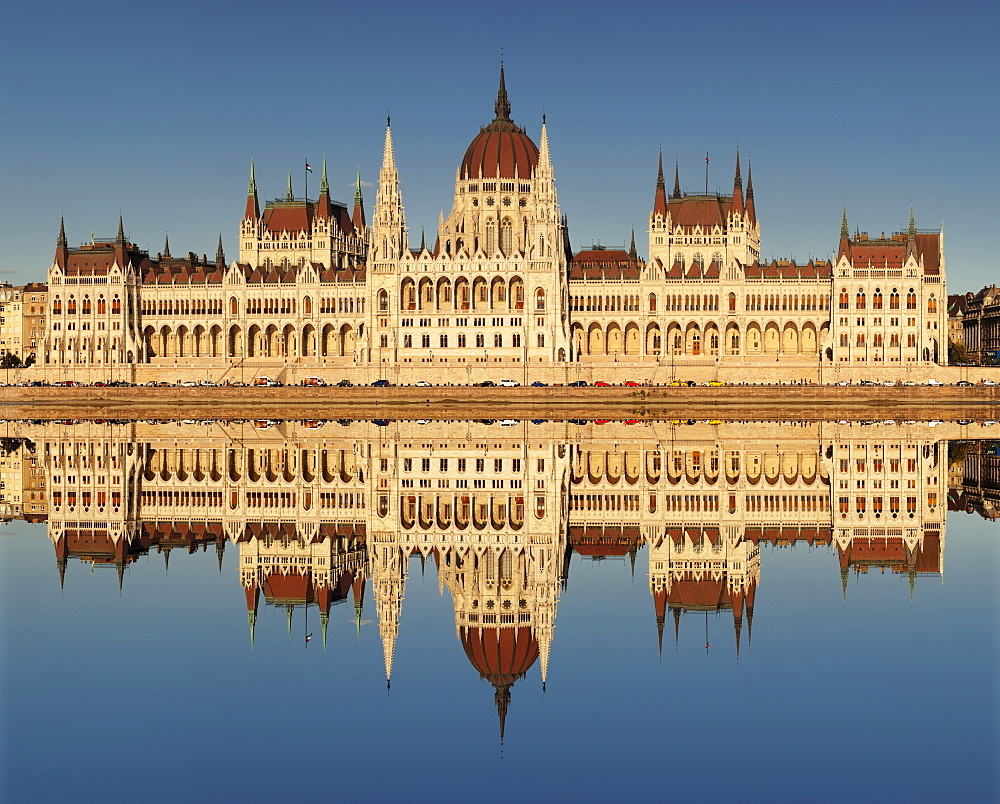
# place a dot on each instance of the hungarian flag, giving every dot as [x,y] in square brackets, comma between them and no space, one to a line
[309,167]
[308,637]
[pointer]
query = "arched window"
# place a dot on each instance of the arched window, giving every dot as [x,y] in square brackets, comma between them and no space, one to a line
[894,300]
[506,237]
[491,241]
[383,301]
[234,306]
[652,302]
[116,306]
[425,341]
[911,300]
[443,341]
[307,305]
[845,300]
[859,300]
[539,299]
[932,305]
[877,300]
[71,306]
[85,306]
[498,340]
[407,341]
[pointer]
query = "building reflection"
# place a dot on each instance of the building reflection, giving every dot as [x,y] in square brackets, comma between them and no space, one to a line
[317,510]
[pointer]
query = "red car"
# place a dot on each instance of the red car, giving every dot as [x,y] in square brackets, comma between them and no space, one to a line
[602,384]
[633,384]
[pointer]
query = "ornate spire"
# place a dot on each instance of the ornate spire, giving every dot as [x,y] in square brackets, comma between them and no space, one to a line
[289,195]
[502,106]
[324,185]
[253,208]
[220,255]
[120,237]
[166,246]
[358,217]
[844,230]
[423,248]
[61,240]
[660,199]
[738,186]
[844,249]
[677,181]
[634,255]
[502,698]
[751,209]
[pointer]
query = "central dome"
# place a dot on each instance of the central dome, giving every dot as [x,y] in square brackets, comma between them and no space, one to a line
[501,150]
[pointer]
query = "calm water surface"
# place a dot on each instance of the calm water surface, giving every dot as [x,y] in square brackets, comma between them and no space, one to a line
[470,611]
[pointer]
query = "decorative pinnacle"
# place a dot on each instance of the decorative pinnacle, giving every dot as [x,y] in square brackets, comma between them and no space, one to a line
[220,255]
[324,185]
[166,246]
[502,106]
[677,180]
[739,177]
[844,231]
[357,188]
[913,226]
[121,231]
[660,184]
[252,187]
[289,196]
[61,241]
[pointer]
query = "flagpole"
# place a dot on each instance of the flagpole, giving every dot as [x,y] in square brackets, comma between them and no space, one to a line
[307,182]
[706,172]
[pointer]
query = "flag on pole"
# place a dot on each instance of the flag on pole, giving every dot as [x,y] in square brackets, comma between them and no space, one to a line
[309,167]
[308,637]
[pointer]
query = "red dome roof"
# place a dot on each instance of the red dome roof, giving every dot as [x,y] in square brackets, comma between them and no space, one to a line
[501,150]
[498,652]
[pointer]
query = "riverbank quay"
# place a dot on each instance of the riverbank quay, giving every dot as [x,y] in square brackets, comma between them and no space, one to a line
[787,402]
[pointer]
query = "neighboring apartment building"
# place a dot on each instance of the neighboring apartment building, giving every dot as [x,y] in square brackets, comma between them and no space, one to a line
[982,326]
[10,321]
[34,302]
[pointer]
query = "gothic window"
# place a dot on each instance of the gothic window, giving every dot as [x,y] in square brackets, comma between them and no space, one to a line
[911,300]
[443,341]
[407,341]
[498,340]
[71,306]
[506,235]
[461,341]
[515,340]
[932,305]
[491,243]
[425,341]
[480,340]
[877,300]
[860,300]
[541,339]
[894,300]
[539,299]
[845,300]
[652,302]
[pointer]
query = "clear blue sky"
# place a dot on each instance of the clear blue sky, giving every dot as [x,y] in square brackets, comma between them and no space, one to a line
[154,109]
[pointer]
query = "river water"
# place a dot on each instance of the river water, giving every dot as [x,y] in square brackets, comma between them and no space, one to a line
[488,610]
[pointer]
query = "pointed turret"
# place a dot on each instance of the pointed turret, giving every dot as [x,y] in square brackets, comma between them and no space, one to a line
[634,255]
[502,699]
[677,181]
[289,195]
[325,211]
[253,208]
[120,237]
[253,597]
[423,248]
[751,209]
[844,249]
[660,199]
[389,224]
[62,245]
[911,238]
[166,246]
[358,217]
[738,187]
[220,255]
[502,106]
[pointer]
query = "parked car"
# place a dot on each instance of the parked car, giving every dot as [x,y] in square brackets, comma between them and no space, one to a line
[539,384]
[934,382]
[381,384]
[990,383]
[578,384]
[265,382]
[509,384]
[189,384]
[345,384]
[313,382]
[486,384]
[422,384]
[602,384]
[207,384]
[964,383]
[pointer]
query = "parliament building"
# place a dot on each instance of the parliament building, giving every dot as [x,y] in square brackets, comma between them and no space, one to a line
[318,291]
